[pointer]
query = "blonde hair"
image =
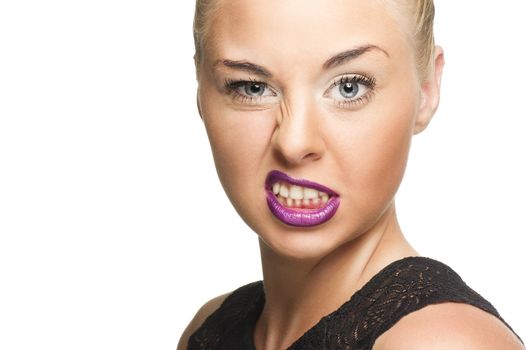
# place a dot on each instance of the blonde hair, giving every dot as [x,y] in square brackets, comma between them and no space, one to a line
[204,10]
[421,12]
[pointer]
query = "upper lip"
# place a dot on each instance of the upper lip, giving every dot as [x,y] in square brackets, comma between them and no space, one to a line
[276,176]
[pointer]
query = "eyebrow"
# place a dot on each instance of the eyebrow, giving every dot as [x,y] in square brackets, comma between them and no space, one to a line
[348,55]
[336,60]
[245,66]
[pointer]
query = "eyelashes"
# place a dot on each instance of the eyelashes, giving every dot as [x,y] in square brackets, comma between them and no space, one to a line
[353,90]
[348,91]
[233,88]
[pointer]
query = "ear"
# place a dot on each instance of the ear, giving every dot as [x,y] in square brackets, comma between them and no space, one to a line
[430,91]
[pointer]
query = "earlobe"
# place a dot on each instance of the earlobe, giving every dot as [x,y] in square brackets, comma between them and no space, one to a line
[430,91]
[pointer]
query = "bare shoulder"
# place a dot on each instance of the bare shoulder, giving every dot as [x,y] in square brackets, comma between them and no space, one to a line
[449,326]
[206,310]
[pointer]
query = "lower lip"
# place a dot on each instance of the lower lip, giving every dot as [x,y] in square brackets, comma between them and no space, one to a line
[302,217]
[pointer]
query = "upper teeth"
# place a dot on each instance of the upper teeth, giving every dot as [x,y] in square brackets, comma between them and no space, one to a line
[297,192]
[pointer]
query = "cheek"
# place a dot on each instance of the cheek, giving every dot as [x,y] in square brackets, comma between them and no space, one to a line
[376,153]
[239,142]
[388,152]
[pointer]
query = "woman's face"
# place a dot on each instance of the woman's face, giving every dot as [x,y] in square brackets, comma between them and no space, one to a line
[324,91]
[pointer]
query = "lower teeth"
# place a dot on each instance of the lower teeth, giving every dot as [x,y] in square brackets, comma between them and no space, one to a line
[315,203]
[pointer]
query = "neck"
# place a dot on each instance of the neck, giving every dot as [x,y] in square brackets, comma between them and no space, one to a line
[299,293]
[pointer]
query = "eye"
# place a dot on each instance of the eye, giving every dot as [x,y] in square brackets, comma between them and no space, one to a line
[351,90]
[248,91]
[254,89]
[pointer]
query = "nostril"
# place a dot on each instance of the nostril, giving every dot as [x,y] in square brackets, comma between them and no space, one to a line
[298,143]
[312,156]
[289,158]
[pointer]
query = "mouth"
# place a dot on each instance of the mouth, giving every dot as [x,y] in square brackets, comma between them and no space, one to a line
[299,202]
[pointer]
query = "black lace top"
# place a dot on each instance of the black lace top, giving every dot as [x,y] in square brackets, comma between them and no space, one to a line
[400,288]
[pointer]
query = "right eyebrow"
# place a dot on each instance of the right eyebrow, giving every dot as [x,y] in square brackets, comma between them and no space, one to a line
[245,66]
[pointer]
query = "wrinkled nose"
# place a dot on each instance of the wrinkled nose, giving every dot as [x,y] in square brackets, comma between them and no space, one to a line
[298,135]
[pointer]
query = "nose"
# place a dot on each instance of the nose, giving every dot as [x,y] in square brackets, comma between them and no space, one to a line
[298,135]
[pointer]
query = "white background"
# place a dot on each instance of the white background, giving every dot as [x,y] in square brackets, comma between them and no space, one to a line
[113,226]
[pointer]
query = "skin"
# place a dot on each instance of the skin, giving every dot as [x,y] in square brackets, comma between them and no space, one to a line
[299,128]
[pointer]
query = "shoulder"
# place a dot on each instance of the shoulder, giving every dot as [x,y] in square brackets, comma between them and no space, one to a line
[449,326]
[202,314]
[242,298]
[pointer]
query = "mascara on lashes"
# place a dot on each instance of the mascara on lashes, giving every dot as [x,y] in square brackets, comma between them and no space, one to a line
[369,82]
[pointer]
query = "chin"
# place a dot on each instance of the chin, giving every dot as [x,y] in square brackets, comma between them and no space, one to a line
[308,242]
[299,243]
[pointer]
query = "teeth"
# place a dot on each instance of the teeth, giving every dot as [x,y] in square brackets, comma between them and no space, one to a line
[297,196]
[303,203]
[309,193]
[284,191]
[296,192]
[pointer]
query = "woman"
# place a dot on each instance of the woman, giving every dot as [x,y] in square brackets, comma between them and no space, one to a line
[310,108]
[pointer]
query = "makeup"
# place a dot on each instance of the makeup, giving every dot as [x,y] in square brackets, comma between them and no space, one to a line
[299,202]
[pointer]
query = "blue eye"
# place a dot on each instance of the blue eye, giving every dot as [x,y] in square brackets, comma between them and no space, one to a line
[250,92]
[351,90]
[254,89]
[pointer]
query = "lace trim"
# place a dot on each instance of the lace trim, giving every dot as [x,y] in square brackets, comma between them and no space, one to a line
[402,287]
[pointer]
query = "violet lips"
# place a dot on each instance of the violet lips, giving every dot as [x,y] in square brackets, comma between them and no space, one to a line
[300,203]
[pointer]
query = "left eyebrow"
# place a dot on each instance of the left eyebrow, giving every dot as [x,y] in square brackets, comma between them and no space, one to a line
[348,55]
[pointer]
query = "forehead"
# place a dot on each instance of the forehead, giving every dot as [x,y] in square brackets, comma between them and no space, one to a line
[290,32]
